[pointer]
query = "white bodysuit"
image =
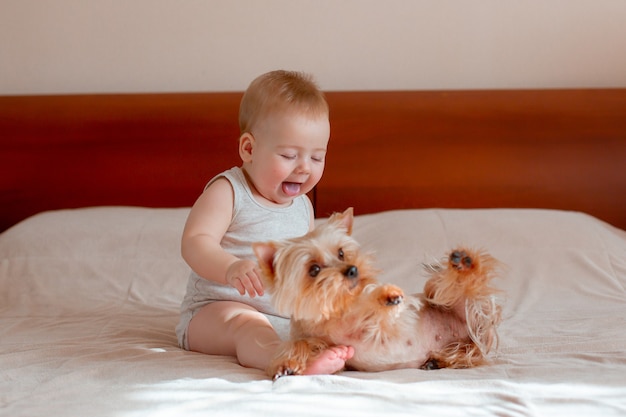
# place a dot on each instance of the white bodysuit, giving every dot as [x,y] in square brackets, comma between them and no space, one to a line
[251,222]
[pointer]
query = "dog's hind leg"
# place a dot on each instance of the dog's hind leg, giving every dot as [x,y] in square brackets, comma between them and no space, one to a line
[455,355]
[466,276]
[462,287]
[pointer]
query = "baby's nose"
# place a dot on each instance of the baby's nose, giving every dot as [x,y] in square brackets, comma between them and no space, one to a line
[304,166]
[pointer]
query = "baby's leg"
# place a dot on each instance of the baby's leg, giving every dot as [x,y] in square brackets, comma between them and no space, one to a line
[234,329]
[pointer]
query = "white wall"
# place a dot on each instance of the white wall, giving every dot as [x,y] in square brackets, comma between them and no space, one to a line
[70,46]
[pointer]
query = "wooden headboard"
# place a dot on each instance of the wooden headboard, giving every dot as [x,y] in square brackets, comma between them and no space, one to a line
[563,149]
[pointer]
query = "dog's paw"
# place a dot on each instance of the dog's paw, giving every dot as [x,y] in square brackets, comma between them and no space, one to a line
[287,369]
[461,260]
[283,372]
[430,365]
[390,295]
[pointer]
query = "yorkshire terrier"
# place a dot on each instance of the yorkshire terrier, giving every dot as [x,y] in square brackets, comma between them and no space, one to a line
[330,291]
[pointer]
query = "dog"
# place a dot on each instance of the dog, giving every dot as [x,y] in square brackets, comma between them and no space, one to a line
[328,288]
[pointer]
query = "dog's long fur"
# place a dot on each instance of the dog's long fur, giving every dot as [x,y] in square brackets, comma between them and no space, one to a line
[329,289]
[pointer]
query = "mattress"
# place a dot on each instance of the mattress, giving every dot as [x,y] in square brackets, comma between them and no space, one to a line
[90,299]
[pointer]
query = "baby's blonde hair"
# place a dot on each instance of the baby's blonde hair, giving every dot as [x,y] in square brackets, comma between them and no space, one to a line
[278,91]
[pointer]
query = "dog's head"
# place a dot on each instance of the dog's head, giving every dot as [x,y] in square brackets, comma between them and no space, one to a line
[316,276]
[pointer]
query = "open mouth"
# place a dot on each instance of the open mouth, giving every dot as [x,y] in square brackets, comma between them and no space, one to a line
[292,189]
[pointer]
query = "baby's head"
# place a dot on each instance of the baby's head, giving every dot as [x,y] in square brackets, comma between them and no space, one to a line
[283,118]
[277,92]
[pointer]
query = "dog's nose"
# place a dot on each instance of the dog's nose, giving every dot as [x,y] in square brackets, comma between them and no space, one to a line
[351,272]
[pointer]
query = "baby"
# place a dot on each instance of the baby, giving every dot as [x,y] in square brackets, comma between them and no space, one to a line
[284,133]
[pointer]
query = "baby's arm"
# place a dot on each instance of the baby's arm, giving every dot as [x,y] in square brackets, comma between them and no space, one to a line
[207,223]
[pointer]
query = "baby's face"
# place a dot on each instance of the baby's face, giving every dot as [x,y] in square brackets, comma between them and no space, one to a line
[288,157]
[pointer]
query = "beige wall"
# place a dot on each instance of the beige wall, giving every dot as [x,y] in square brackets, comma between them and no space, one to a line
[69,46]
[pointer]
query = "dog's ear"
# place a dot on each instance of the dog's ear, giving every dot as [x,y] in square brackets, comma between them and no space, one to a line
[344,219]
[265,255]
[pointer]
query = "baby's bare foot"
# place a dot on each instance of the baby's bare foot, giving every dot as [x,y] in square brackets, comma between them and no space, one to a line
[329,361]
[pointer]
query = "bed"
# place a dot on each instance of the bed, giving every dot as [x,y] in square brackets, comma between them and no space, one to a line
[95,190]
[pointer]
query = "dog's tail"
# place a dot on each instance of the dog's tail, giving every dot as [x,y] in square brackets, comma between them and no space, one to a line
[483,317]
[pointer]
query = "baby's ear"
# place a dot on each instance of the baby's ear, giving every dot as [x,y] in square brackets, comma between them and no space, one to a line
[344,219]
[246,145]
[265,255]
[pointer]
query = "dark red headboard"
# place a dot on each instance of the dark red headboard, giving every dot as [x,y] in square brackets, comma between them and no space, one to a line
[563,149]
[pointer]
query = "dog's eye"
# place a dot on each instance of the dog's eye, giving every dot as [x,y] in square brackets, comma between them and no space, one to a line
[314,270]
[340,254]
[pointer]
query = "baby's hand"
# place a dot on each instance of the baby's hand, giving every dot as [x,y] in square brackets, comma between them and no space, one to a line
[244,276]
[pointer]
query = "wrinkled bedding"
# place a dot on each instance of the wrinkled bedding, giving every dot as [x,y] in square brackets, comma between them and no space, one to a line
[89,301]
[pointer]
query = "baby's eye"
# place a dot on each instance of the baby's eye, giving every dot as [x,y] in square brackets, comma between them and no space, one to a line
[314,270]
[317,158]
[288,156]
[340,254]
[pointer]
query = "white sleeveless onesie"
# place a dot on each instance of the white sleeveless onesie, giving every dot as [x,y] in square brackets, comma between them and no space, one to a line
[251,222]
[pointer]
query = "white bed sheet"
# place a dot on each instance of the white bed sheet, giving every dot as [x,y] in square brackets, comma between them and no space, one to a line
[90,299]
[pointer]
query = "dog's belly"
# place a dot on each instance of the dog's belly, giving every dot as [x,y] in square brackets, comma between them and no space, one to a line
[442,327]
[406,352]
[396,342]
[407,341]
